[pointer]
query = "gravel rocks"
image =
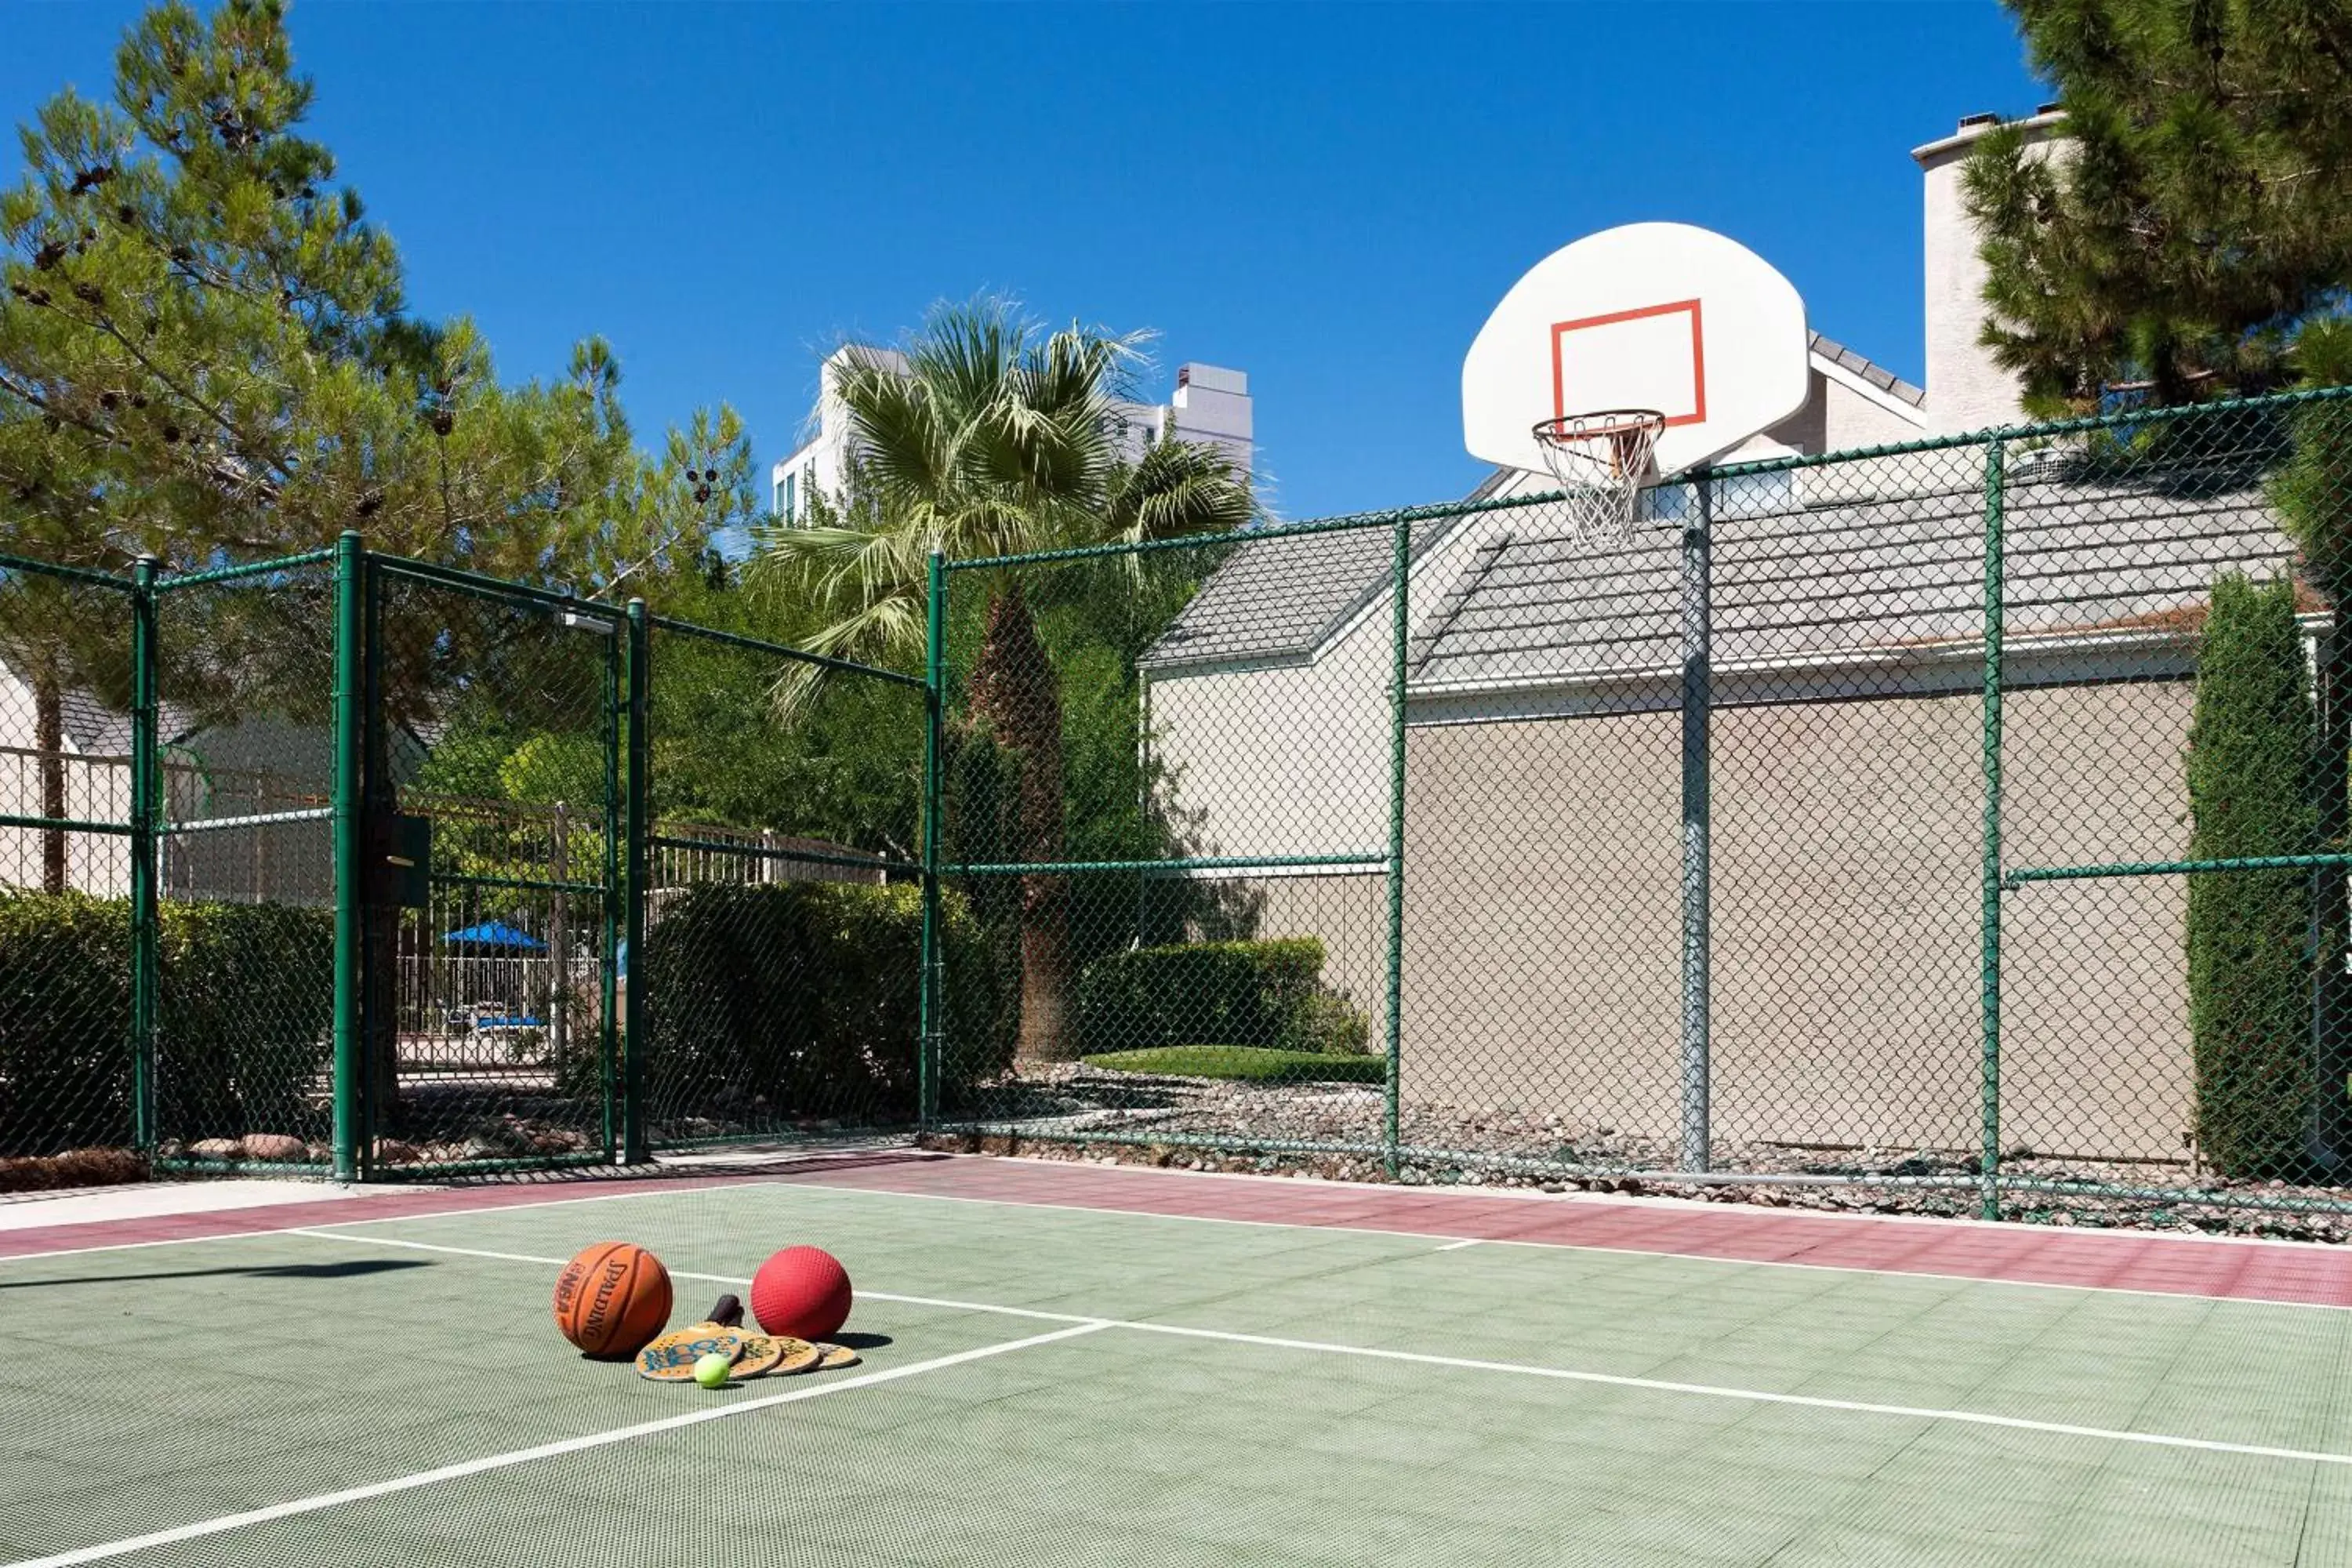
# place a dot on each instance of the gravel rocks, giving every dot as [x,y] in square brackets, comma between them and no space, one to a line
[1206,1124]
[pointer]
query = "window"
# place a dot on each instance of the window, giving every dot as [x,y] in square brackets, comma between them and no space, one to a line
[790,506]
[1742,495]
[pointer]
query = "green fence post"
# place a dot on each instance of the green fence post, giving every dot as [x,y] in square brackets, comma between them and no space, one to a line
[1400,572]
[145,818]
[1989,972]
[378,1050]
[1698,695]
[929,997]
[350,565]
[614,923]
[635,1146]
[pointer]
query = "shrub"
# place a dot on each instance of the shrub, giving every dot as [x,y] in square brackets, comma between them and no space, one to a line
[770,1005]
[2251,755]
[244,1021]
[1335,1025]
[1267,994]
[65,1022]
[245,997]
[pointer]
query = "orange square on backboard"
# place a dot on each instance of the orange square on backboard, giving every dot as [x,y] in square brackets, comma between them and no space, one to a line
[1654,357]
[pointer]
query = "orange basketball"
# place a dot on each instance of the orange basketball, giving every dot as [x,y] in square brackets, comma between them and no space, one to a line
[612,1299]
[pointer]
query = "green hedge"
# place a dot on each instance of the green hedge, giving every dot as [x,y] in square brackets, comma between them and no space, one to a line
[1267,994]
[65,1022]
[774,1005]
[245,1019]
[245,1000]
[1245,1064]
[2250,765]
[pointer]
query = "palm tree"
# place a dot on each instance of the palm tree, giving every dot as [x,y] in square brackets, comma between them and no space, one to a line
[987,435]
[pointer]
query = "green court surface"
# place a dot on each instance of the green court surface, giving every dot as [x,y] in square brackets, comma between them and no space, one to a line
[1051,1386]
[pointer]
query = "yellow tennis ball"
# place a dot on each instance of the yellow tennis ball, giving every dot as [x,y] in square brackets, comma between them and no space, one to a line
[712,1370]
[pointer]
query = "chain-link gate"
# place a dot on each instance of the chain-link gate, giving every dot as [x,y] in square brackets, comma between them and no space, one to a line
[490,906]
[785,896]
[244,661]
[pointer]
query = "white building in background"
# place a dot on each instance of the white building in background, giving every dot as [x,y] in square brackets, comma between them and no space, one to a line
[1968,389]
[1211,407]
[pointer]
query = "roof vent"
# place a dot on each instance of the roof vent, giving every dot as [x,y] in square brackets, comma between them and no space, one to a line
[2048,109]
[1970,121]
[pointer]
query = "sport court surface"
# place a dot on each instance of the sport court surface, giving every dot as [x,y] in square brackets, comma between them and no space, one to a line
[1070,1364]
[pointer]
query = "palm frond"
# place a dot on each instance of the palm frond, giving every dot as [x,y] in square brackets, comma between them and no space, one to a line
[984,435]
[888,630]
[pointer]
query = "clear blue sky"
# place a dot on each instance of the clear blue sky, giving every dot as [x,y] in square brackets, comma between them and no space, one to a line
[1327,196]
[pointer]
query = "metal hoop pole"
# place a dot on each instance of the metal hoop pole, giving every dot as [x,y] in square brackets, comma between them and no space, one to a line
[1698,614]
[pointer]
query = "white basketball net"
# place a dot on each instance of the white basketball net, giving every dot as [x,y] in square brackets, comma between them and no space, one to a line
[1601,460]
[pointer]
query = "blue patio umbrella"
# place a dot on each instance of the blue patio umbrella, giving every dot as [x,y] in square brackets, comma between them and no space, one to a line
[495,934]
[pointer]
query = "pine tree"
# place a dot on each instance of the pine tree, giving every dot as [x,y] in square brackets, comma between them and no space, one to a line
[2198,213]
[205,355]
[2190,237]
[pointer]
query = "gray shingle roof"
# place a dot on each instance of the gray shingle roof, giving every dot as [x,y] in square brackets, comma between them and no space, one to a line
[1802,585]
[1279,598]
[1878,376]
[97,730]
[1791,581]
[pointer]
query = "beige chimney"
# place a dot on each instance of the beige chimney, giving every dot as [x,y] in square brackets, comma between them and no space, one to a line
[1965,390]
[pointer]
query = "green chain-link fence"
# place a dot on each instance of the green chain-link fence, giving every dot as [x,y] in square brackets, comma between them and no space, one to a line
[785,899]
[243,670]
[1962,820]
[70,1009]
[495,723]
[1963,823]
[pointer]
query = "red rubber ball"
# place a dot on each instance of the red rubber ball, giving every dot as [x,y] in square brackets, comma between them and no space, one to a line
[801,1293]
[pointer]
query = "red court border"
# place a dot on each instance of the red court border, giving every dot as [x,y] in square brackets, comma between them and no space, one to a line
[2296,1273]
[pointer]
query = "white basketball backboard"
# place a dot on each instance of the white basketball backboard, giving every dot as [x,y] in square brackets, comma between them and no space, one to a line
[1651,315]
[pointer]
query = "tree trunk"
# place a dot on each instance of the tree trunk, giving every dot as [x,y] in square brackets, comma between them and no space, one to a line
[1015,692]
[49,743]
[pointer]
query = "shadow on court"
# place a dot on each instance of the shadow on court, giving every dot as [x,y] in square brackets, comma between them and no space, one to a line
[354,1269]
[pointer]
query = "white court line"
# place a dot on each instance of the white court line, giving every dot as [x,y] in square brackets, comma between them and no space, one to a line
[526,1456]
[1754,1395]
[355,1219]
[707,1278]
[1458,1246]
[1519,1369]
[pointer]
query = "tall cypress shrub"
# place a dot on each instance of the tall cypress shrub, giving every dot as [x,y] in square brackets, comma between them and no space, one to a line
[2252,750]
[2312,493]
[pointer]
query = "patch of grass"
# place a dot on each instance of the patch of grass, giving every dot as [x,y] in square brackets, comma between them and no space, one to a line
[1250,1064]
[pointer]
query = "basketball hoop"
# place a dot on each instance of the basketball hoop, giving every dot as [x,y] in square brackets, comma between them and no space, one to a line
[1601,460]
